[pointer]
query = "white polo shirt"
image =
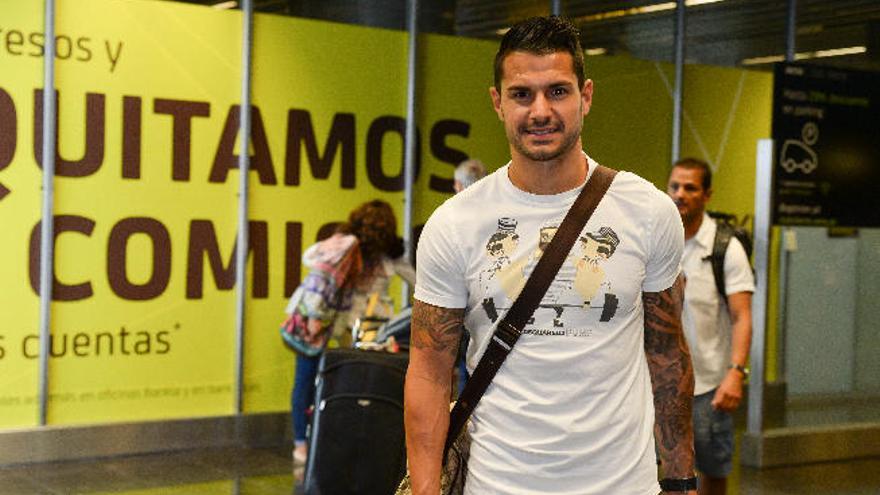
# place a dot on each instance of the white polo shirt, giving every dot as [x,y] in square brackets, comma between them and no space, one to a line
[705,317]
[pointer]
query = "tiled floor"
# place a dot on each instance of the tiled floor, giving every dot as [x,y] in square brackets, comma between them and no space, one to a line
[856,477]
[211,471]
[268,472]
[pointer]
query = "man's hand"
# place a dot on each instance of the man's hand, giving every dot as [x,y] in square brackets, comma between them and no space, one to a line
[729,393]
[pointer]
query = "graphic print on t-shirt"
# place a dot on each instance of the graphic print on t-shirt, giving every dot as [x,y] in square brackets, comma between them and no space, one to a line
[579,280]
[499,249]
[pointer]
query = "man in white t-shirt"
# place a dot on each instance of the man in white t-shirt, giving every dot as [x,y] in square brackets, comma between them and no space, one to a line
[718,327]
[570,410]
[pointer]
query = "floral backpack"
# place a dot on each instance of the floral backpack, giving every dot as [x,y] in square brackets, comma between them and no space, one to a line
[333,265]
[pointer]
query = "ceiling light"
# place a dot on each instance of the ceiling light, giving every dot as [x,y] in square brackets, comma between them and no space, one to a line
[595,51]
[231,4]
[834,52]
[762,60]
[502,31]
[612,14]
[647,9]
[692,3]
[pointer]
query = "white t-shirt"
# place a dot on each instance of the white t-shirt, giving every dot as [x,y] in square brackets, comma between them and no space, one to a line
[570,411]
[705,316]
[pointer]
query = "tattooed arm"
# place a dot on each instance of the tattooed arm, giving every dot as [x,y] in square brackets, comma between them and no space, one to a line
[672,378]
[433,346]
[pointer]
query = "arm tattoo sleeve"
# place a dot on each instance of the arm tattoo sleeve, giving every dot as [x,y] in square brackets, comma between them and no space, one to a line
[436,329]
[672,378]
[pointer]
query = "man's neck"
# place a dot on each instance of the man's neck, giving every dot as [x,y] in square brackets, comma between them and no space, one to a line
[693,226]
[550,177]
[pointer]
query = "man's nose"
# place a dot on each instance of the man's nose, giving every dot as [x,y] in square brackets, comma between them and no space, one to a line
[540,110]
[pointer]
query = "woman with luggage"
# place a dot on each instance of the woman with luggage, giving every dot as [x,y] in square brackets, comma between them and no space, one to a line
[364,254]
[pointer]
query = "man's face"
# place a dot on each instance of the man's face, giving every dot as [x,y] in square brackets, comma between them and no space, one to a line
[541,105]
[685,187]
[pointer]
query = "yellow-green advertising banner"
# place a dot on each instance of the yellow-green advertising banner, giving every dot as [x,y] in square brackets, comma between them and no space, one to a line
[139,328]
[146,193]
[20,74]
[146,187]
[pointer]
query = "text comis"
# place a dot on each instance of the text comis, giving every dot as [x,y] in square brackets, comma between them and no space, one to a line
[203,247]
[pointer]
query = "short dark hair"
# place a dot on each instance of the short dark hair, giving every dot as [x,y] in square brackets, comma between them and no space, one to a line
[690,163]
[542,36]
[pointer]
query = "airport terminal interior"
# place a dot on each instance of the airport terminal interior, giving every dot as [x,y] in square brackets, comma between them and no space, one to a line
[153,348]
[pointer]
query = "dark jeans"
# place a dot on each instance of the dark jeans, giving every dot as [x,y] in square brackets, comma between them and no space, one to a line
[303,394]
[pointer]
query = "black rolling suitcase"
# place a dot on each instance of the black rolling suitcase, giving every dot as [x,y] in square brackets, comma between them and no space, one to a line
[356,438]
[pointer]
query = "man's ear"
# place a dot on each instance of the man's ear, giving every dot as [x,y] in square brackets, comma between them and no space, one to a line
[587,95]
[496,102]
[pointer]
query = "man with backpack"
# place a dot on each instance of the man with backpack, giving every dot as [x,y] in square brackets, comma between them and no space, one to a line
[717,319]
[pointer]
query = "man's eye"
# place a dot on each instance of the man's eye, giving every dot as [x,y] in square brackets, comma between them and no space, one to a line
[520,95]
[558,92]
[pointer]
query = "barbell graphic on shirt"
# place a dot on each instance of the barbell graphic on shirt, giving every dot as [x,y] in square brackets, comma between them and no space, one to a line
[608,309]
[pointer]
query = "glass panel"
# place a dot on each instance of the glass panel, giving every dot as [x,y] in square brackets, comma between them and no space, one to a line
[831,340]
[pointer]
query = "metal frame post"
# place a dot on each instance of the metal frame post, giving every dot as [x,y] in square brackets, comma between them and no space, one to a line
[555,7]
[784,253]
[47,227]
[412,29]
[247,10]
[763,196]
[678,91]
[791,31]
